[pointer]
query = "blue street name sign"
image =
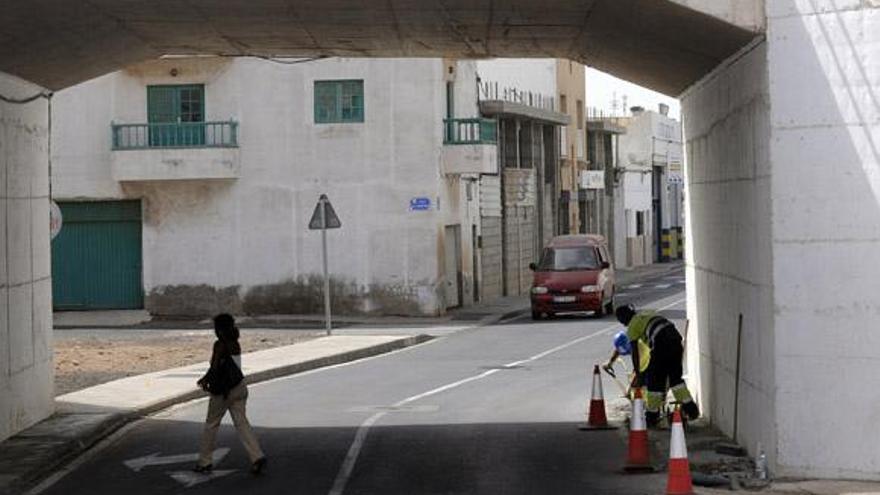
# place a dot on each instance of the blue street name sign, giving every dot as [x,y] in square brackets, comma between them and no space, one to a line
[420,204]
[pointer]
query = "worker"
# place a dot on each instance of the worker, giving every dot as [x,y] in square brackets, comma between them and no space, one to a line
[664,367]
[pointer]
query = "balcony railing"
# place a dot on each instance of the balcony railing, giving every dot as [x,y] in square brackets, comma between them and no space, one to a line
[470,131]
[175,135]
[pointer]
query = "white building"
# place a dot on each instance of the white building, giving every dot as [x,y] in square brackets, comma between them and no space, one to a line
[187,186]
[651,155]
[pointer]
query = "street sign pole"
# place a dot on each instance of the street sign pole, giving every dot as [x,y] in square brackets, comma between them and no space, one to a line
[327,317]
[323,218]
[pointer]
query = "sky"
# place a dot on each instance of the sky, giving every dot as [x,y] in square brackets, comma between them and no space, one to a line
[602,87]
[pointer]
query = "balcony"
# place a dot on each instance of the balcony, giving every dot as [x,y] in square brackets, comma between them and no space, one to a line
[470,146]
[175,151]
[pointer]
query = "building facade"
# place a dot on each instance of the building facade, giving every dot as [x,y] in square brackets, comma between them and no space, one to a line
[187,186]
[651,155]
[556,85]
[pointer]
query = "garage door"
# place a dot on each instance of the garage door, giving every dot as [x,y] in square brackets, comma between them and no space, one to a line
[96,258]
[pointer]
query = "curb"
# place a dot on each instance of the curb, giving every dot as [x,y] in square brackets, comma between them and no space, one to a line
[67,450]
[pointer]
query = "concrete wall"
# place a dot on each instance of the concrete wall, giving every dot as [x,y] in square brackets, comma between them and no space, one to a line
[730,267]
[825,126]
[26,385]
[385,259]
[747,14]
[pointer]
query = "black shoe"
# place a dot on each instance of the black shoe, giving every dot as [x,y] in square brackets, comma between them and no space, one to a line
[206,469]
[691,409]
[258,465]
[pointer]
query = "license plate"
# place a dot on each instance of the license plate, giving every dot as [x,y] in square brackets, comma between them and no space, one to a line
[564,299]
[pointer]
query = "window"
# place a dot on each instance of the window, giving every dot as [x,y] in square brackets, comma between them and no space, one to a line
[580,114]
[640,223]
[563,141]
[568,259]
[563,104]
[174,113]
[339,101]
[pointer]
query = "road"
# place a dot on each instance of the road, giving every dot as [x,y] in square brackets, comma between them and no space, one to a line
[487,411]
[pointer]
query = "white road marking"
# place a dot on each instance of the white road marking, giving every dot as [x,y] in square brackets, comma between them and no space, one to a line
[190,479]
[360,437]
[156,460]
[662,286]
[634,286]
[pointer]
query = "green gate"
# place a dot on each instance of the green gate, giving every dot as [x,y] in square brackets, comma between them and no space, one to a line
[96,258]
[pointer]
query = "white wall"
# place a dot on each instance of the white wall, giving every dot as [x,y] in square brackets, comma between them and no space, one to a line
[537,75]
[730,266]
[370,171]
[825,117]
[26,385]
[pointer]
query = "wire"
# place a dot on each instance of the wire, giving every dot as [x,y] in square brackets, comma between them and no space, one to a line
[22,101]
[288,62]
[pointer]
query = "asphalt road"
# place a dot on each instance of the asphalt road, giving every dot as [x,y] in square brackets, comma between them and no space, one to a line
[493,410]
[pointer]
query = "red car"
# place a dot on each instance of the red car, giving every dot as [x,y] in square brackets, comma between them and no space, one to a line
[574,275]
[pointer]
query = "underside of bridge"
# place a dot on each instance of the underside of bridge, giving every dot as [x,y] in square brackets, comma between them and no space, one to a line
[660,44]
[781,132]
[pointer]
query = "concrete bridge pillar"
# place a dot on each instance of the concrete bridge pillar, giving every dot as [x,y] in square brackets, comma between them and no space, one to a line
[783,151]
[26,386]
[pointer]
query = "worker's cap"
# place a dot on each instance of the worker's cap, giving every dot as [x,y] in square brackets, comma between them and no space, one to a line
[625,313]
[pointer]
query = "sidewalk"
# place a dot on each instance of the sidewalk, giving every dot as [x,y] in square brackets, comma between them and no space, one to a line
[627,276]
[85,417]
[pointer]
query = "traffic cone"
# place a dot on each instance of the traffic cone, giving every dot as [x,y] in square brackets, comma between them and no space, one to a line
[638,458]
[596,418]
[679,480]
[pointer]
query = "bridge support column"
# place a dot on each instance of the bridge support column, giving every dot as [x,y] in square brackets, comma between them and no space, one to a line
[783,152]
[26,376]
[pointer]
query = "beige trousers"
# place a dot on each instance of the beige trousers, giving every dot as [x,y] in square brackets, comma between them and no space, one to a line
[217,407]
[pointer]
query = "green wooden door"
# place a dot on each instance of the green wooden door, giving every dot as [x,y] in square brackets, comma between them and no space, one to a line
[96,258]
[177,114]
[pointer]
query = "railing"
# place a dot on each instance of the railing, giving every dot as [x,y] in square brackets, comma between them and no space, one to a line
[175,135]
[470,131]
[490,90]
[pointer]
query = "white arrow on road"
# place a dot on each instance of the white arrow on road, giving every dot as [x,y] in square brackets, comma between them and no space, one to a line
[158,460]
[189,479]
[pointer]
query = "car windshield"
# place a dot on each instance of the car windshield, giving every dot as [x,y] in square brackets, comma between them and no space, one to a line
[568,259]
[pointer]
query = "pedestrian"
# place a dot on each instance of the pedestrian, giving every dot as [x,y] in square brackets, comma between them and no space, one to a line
[664,368]
[225,382]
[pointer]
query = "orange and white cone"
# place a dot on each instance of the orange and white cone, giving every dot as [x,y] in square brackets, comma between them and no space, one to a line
[638,458]
[679,481]
[596,418]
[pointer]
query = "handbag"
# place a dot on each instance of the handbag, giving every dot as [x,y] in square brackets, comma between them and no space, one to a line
[223,377]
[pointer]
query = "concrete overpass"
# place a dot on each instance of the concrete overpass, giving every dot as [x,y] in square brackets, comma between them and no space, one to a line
[782,134]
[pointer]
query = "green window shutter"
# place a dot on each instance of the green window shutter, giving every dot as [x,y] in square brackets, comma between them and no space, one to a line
[339,101]
[160,104]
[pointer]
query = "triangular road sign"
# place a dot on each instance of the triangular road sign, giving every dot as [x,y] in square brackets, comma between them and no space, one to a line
[333,221]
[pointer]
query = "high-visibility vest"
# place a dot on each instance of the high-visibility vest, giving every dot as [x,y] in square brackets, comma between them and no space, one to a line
[644,355]
[638,326]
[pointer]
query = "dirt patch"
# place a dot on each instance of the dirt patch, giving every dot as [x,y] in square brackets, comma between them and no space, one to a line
[84,362]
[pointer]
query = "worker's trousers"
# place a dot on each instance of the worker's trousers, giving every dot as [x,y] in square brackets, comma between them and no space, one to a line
[665,370]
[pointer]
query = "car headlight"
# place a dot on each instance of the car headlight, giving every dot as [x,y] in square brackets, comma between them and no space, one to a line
[587,289]
[539,290]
